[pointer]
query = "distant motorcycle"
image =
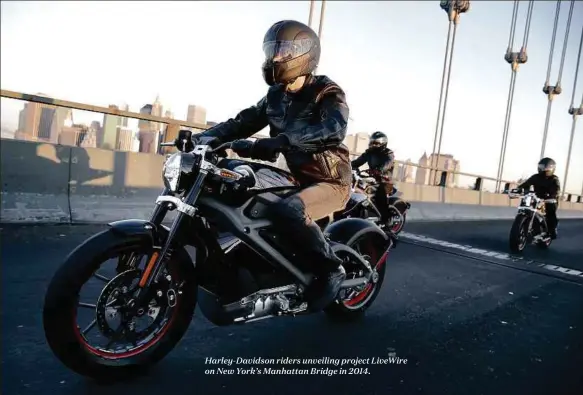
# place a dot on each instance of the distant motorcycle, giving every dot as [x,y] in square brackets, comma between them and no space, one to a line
[530,224]
[362,205]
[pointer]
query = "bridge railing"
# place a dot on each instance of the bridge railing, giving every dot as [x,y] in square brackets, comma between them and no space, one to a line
[117,134]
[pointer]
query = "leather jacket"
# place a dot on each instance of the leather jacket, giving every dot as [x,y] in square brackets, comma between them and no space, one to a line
[380,162]
[314,120]
[544,187]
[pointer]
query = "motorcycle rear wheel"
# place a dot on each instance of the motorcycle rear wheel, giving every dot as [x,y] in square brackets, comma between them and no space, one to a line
[356,305]
[69,343]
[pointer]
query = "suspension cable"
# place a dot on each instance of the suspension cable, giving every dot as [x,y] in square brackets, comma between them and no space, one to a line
[515,59]
[312,3]
[565,41]
[527,24]
[576,74]
[454,9]
[574,112]
[510,89]
[513,26]
[322,9]
[552,91]
[553,39]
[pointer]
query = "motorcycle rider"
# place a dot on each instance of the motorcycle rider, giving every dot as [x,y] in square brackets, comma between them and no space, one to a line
[546,186]
[307,115]
[381,162]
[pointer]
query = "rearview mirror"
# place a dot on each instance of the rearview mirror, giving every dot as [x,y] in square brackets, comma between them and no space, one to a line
[531,189]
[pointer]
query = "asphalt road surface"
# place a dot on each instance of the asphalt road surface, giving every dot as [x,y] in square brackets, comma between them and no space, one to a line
[465,326]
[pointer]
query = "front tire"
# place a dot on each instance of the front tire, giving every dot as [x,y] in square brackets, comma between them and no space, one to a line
[518,234]
[63,334]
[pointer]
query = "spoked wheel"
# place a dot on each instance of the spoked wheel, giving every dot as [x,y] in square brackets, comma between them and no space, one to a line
[519,234]
[398,223]
[352,303]
[93,321]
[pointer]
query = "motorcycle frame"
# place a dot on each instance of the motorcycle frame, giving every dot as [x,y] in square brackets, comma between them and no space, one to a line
[390,200]
[241,226]
[532,212]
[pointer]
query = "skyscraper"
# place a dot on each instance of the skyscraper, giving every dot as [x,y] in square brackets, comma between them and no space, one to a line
[107,138]
[196,114]
[41,122]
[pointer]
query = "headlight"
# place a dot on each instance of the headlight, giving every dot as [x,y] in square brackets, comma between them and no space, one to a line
[171,171]
[527,200]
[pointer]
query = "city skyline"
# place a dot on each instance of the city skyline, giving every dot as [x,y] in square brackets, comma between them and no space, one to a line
[389,66]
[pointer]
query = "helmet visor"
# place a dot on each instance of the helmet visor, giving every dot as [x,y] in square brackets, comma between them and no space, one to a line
[281,51]
[547,168]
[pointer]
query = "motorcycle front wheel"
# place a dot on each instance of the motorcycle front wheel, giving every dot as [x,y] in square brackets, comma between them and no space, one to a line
[518,234]
[112,344]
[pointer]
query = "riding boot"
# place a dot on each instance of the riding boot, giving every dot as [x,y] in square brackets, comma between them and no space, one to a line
[326,267]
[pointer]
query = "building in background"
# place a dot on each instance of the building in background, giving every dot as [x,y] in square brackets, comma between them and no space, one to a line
[42,122]
[196,114]
[149,131]
[445,162]
[356,143]
[78,136]
[404,172]
[127,140]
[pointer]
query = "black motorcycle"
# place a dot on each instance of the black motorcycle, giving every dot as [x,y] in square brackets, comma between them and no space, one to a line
[362,205]
[243,270]
[530,224]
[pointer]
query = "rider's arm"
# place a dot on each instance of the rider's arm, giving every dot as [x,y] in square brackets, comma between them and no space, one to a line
[386,172]
[361,160]
[526,184]
[555,188]
[245,124]
[331,130]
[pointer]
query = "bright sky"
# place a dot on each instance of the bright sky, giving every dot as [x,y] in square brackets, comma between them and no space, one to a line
[388,57]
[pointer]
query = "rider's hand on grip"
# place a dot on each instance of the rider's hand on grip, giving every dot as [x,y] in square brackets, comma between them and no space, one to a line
[268,149]
[242,148]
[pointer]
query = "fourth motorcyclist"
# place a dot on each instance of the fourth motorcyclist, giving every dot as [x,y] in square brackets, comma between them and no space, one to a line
[307,116]
[546,186]
[381,161]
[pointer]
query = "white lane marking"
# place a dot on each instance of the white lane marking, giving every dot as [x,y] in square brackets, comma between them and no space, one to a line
[492,254]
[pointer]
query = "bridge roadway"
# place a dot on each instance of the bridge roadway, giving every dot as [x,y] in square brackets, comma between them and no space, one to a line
[467,323]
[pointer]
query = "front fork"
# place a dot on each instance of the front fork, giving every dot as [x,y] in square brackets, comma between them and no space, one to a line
[157,261]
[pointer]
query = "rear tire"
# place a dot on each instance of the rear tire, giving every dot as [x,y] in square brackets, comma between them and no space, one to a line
[61,302]
[354,308]
[518,237]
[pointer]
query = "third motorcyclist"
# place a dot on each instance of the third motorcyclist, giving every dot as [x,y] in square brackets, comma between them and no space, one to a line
[546,186]
[381,162]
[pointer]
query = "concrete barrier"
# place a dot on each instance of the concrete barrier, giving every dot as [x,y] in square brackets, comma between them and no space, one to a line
[34,182]
[59,184]
[110,185]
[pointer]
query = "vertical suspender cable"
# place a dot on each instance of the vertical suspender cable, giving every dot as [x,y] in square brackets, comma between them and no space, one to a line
[321,19]
[566,40]
[445,100]
[433,159]
[552,91]
[574,112]
[518,58]
[453,8]
[511,86]
[514,59]
[312,3]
